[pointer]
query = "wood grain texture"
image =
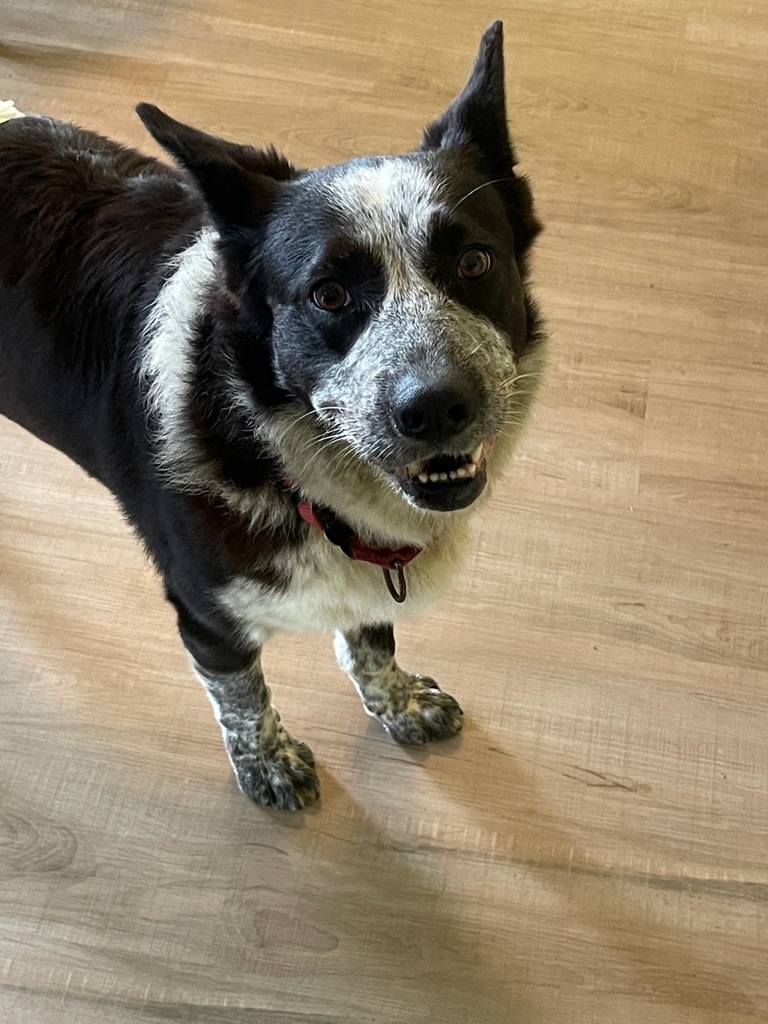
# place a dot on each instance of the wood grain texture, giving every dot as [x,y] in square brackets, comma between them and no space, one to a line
[594,848]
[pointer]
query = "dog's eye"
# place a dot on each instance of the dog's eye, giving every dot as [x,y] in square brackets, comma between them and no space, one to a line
[474,262]
[330,296]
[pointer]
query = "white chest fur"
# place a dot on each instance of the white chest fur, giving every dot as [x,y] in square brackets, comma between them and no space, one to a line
[328,591]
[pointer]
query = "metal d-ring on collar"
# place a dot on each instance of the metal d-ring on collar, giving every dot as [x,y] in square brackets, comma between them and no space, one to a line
[399,592]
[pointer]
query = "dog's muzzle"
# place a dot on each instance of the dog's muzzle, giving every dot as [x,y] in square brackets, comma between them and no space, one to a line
[435,413]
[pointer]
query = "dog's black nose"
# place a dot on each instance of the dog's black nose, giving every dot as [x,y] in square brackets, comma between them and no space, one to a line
[433,410]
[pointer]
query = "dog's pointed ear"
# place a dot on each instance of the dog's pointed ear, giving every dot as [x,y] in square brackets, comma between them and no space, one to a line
[478,115]
[238,183]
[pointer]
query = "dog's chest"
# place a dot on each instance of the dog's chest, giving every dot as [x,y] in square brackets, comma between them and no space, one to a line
[324,590]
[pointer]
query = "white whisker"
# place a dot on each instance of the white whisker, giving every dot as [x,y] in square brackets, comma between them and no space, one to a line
[494,181]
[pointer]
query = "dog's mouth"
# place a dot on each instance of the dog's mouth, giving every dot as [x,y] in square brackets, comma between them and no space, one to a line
[446,482]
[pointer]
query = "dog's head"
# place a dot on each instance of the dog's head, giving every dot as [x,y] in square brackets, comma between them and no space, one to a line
[389,291]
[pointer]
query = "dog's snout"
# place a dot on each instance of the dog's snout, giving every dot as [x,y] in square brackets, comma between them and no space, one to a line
[433,410]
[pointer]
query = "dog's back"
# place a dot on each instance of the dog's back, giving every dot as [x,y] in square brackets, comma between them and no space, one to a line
[85,224]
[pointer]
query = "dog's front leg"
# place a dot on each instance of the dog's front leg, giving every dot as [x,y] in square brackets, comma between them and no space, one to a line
[271,767]
[412,708]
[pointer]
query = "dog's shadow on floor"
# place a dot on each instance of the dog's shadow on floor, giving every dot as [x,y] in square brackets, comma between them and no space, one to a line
[383,898]
[528,838]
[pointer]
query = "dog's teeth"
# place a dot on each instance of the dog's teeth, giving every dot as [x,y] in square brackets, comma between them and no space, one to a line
[434,477]
[461,472]
[423,478]
[452,475]
[414,468]
[471,470]
[477,454]
[443,476]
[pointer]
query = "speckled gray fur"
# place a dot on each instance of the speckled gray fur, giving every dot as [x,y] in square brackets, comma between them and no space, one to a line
[271,767]
[412,708]
[276,770]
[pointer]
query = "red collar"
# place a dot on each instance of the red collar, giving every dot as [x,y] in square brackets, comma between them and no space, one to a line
[342,536]
[390,560]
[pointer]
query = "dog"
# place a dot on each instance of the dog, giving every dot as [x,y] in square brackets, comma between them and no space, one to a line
[296,383]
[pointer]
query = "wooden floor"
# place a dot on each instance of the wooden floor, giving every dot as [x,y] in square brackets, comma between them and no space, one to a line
[594,849]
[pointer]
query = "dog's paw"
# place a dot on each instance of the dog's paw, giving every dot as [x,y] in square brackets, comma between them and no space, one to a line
[429,714]
[284,778]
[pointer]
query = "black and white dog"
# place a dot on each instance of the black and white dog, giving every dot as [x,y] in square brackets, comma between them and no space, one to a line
[295,382]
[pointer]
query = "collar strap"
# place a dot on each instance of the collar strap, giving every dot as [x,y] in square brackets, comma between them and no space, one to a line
[342,535]
[389,560]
